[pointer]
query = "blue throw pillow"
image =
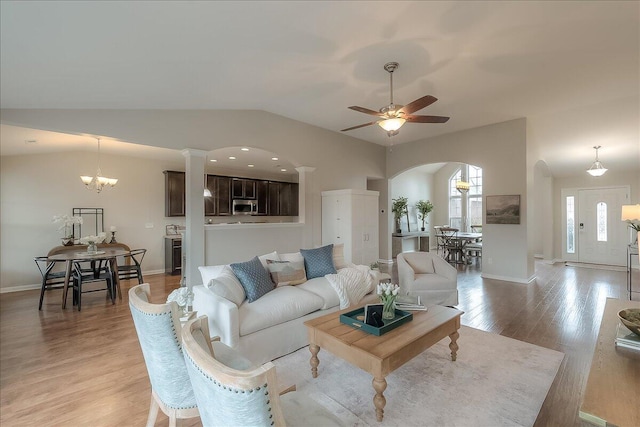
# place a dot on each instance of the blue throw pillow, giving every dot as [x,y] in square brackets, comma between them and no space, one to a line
[253,277]
[318,262]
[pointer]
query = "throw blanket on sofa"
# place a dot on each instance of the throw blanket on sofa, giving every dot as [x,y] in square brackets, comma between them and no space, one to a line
[351,284]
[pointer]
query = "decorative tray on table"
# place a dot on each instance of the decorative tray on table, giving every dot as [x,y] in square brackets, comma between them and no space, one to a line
[355,319]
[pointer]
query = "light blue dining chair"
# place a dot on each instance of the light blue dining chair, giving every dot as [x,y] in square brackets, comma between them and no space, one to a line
[230,393]
[159,332]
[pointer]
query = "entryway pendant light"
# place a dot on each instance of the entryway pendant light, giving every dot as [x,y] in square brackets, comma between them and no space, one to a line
[596,169]
[98,182]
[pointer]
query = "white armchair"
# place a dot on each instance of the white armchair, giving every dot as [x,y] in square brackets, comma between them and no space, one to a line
[428,275]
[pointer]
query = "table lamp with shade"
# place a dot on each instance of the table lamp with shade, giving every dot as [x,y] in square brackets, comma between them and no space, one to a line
[631,214]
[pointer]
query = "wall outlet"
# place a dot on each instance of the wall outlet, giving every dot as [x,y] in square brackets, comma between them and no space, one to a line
[148,225]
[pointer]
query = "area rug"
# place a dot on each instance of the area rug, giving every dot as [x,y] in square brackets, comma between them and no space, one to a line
[496,381]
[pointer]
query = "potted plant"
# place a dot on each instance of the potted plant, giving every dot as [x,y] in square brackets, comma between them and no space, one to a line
[399,207]
[423,208]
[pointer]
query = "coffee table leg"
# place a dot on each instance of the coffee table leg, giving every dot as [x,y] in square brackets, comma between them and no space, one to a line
[453,345]
[314,362]
[379,385]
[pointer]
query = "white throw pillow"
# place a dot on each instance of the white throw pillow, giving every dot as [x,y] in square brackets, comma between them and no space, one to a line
[273,256]
[209,272]
[226,285]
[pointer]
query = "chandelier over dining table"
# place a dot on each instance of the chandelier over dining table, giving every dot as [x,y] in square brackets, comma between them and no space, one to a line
[98,182]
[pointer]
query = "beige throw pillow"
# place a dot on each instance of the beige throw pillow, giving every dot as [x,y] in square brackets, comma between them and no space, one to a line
[338,256]
[285,273]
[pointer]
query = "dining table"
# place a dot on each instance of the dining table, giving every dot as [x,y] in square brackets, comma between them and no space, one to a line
[458,241]
[70,257]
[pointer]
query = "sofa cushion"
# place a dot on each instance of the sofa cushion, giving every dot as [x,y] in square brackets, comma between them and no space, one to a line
[293,256]
[278,306]
[432,282]
[418,262]
[285,273]
[254,278]
[227,286]
[319,261]
[321,287]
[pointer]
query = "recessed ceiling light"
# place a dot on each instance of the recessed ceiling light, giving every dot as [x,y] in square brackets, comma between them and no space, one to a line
[244,149]
[283,170]
[250,166]
[213,160]
[30,141]
[274,158]
[232,158]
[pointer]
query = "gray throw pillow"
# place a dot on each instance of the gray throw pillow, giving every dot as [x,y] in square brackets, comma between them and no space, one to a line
[318,262]
[253,277]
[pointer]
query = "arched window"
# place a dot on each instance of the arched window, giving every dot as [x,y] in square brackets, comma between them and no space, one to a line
[465,209]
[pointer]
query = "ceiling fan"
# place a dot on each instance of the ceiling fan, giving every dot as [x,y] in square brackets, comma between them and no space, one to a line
[393,116]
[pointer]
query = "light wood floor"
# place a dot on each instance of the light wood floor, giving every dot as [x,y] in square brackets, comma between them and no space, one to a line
[69,368]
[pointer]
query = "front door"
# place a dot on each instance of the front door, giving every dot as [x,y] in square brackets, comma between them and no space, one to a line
[602,236]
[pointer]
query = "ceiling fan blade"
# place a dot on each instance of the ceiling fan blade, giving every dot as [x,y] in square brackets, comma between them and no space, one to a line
[426,119]
[366,111]
[359,126]
[418,104]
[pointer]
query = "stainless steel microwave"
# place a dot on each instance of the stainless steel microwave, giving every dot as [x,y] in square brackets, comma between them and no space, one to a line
[245,207]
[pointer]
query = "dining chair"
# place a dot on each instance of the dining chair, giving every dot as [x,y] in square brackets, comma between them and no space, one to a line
[50,279]
[92,272]
[230,395]
[449,243]
[159,333]
[132,269]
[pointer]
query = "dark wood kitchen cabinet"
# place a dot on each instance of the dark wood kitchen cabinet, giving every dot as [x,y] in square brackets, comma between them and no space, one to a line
[262,196]
[274,198]
[172,256]
[174,202]
[223,195]
[243,188]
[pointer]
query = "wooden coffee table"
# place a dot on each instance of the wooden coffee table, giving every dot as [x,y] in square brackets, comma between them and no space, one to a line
[380,355]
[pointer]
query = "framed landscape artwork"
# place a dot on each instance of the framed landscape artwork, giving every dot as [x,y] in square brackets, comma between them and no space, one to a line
[503,209]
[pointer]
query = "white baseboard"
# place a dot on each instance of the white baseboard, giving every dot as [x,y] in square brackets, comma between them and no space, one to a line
[508,279]
[36,286]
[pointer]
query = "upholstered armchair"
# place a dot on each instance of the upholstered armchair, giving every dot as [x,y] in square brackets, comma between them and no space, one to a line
[428,275]
[229,396]
[159,333]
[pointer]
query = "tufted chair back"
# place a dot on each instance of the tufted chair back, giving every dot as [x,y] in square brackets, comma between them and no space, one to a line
[159,332]
[227,396]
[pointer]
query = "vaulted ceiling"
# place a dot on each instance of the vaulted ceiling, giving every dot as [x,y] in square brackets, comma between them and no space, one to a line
[571,68]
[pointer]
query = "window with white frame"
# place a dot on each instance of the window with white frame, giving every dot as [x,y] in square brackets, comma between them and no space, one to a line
[466,205]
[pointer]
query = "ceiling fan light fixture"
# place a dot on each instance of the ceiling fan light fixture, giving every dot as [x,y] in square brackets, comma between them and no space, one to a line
[597,169]
[392,124]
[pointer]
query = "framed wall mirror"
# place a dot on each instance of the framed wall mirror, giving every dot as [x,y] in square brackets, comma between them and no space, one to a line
[92,222]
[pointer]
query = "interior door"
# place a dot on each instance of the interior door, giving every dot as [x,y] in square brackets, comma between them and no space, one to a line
[602,236]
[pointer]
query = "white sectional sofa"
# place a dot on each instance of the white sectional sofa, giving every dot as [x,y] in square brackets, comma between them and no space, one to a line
[272,325]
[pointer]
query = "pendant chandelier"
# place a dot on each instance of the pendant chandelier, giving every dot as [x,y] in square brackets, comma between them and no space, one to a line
[98,182]
[462,186]
[596,169]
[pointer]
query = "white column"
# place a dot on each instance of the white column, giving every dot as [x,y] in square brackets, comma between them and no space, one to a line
[305,204]
[193,243]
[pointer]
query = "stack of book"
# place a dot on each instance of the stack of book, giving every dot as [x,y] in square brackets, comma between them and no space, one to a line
[625,338]
[409,303]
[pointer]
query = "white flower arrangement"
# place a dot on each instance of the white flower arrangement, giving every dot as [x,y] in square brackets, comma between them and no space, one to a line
[87,240]
[182,296]
[67,223]
[386,290]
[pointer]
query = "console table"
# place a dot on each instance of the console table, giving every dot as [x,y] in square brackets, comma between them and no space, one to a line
[400,242]
[611,396]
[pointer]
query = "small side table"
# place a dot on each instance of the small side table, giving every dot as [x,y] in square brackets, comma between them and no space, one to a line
[190,315]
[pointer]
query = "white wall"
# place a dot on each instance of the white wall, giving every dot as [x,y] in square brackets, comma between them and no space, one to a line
[500,150]
[34,188]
